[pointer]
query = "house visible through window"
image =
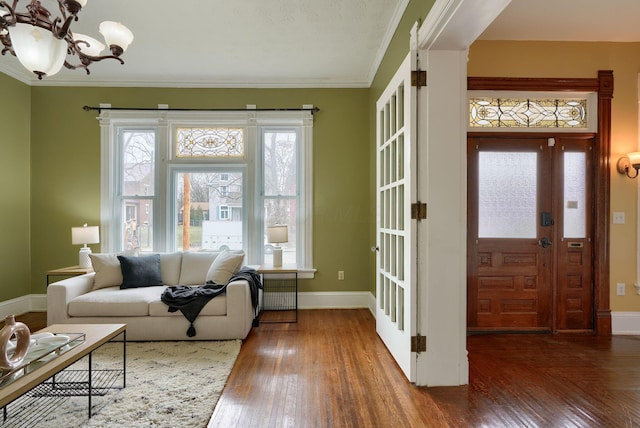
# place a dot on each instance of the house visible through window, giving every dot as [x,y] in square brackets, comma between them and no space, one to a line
[207,181]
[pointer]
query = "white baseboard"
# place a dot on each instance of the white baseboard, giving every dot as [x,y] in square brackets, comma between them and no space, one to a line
[23,304]
[627,323]
[337,300]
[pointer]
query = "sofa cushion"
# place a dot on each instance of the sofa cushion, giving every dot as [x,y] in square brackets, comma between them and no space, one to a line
[143,271]
[225,265]
[216,306]
[195,266]
[107,268]
[170,264]
[114,302]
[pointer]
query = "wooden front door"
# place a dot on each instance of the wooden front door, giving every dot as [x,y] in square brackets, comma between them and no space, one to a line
[530,209]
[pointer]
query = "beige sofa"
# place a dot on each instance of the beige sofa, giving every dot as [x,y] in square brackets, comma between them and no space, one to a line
[97,298]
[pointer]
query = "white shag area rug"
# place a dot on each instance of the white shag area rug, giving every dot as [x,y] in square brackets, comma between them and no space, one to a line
[168,384]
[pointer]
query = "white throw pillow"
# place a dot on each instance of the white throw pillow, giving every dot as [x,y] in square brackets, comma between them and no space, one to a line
[224,267]
[170,265]
[107,268]
[194,267]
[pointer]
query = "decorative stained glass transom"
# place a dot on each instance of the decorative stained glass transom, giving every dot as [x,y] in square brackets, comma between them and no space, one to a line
[488,112]
[209,142]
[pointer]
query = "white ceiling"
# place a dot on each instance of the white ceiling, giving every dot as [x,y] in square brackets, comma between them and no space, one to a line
[231,43]
[567,20]
[300,43]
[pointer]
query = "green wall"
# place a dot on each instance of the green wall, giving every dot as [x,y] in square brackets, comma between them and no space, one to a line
[53,172]
[66,170]
[15,105]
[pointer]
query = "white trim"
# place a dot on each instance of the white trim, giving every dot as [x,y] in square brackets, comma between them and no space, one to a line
[625,323]
[455,24]
[164,122]
[335,300]
[24,304]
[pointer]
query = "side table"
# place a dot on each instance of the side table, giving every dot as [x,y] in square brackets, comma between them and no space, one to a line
[67,271]
[279,294]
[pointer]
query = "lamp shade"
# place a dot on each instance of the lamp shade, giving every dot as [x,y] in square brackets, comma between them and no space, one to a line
[92,47]
[116,34]
[38,49]
[277,234]
[634,158]
[85,235]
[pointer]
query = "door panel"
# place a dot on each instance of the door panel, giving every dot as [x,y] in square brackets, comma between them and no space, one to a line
[509,281]
[574,251]
[396,231]
[529,246]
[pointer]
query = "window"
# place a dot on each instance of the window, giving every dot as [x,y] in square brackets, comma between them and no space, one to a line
[521,111]
[179,180]
[224,212]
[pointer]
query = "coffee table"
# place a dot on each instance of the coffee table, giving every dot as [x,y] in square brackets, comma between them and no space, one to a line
[45,373]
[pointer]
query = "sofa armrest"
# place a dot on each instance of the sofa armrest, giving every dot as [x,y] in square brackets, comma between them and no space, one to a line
[239,305]
[60,293]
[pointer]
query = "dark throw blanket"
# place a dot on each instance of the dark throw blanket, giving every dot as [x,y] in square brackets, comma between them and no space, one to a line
[190,300]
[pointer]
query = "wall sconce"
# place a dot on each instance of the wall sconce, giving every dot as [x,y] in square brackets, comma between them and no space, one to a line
[630,161]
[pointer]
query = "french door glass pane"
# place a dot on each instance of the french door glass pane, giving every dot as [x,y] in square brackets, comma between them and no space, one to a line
[574,195]
[507,194]
[208,211]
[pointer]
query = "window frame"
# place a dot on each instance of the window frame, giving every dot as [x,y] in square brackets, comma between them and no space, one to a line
[165,122]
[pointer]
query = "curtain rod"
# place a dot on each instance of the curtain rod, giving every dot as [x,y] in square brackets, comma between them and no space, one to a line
[89,108]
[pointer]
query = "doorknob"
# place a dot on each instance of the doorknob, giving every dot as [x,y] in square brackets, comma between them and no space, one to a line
[544,242]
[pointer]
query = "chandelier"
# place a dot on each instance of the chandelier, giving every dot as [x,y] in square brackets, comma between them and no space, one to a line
[42,42]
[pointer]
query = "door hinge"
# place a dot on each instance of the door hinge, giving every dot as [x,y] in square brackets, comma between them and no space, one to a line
[418,211]
[418,343]
[418,78]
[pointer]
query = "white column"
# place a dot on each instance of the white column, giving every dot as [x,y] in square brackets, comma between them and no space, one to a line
[443,235]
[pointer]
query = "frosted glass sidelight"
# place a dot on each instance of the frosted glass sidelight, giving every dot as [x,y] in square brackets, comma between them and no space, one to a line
[575,195]
[507,194]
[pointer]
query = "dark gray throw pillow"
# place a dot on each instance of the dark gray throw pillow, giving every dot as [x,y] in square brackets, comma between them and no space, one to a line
[142,271]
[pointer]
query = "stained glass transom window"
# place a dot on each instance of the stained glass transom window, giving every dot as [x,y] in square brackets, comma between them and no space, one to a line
[488,112]
[209,142]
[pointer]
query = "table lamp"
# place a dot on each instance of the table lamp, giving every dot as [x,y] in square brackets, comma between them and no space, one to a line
[277,234]
[85,235]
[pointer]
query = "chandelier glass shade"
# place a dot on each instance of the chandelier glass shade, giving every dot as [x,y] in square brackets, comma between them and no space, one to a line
[43,43]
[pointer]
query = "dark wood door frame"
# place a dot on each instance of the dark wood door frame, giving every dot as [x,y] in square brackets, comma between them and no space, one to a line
[603,85]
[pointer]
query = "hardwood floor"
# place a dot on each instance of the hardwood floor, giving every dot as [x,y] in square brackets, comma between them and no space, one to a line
[331,370]
[34,320]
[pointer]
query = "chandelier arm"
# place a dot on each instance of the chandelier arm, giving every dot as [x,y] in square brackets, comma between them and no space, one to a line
[62,32]
[8,22]
[35,14]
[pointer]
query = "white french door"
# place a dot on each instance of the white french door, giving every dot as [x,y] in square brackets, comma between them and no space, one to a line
[395,230]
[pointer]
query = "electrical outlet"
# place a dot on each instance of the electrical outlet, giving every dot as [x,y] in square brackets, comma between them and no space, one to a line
[341,275]
[618,217]
[621,289]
